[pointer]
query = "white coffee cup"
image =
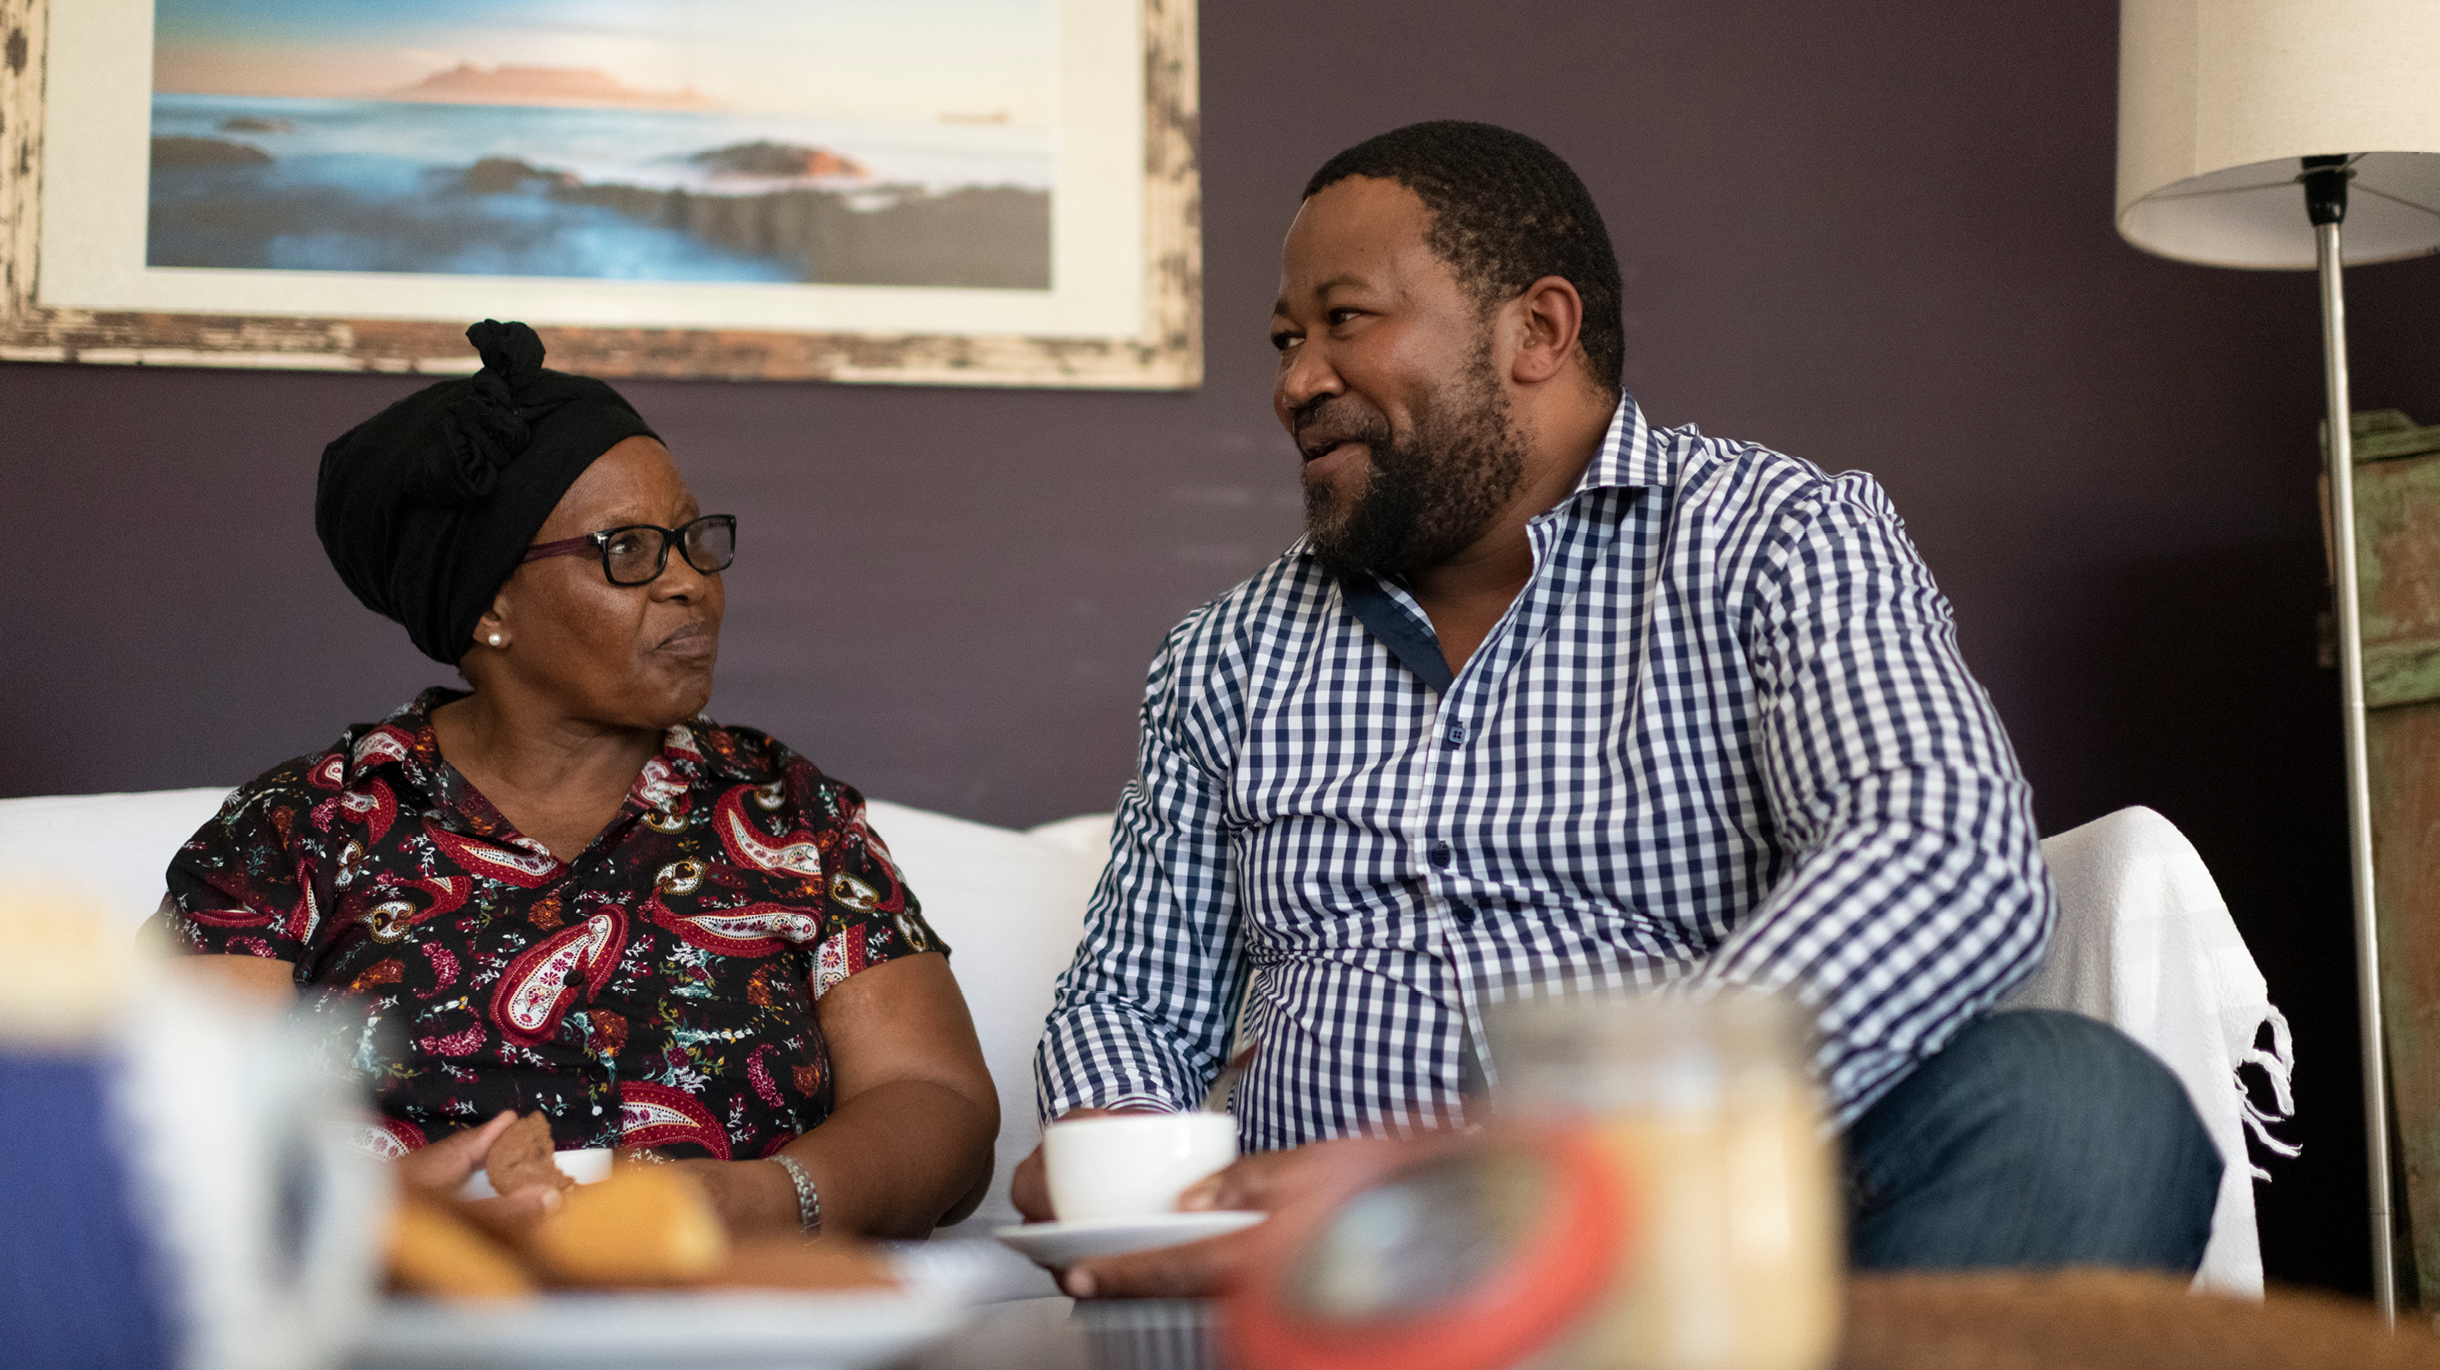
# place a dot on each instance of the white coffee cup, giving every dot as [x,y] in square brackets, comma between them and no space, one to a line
[1132,1165]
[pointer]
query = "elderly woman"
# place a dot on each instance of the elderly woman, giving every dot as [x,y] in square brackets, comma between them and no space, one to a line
[564,889]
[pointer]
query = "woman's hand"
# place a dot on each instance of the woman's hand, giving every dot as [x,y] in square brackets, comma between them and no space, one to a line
[443,1168]
[446,1165]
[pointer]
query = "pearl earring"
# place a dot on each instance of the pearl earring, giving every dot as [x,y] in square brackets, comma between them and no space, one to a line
[495,639]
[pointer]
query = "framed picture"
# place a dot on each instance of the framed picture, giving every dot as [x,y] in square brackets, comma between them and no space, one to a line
[984,192]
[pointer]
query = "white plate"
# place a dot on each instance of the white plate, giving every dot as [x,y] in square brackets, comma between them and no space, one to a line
[730,1329]
[1062,1243]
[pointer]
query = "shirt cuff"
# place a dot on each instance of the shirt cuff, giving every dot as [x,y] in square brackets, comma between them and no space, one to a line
[1134,1100]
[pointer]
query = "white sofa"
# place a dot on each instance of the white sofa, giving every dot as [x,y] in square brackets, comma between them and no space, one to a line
[2144,942]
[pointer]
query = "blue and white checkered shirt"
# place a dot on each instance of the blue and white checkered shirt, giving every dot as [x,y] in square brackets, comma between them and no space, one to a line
[1724,732]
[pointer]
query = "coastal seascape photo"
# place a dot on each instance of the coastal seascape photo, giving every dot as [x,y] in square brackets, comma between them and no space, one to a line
[834,142]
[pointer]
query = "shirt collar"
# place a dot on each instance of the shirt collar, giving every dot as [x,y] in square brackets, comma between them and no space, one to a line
[1631,456]
[713,751]
[403,749]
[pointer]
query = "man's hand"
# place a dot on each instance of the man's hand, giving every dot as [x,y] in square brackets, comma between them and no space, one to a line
[1268,1182]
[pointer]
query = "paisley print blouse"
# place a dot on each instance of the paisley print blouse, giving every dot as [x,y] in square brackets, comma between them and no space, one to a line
[656,991]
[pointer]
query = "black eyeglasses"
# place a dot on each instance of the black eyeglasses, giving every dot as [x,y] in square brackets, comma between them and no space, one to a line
[638,553]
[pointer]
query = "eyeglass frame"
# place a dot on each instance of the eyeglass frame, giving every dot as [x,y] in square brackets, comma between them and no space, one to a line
[599,544]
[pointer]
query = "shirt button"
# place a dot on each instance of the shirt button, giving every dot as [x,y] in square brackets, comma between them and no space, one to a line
[597,1108]
[1440,855]
[1464,912]
[1457,735]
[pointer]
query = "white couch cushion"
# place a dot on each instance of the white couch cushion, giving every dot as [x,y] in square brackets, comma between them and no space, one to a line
[1010,904]
[111,850]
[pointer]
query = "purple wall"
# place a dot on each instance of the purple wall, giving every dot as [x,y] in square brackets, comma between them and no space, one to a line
[1874,236]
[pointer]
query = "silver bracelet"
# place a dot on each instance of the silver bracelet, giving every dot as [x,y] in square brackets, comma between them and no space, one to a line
[808,1199]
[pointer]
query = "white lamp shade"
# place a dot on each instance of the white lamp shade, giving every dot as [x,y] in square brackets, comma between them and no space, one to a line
[2218,100]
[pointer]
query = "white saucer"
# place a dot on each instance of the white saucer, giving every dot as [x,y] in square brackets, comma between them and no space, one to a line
[1064,1243]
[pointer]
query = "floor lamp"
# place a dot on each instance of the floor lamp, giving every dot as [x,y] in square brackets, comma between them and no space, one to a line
[2285,135]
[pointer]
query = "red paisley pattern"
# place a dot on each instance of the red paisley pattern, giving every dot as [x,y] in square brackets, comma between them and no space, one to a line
[658,990]
[543,981]
[329,773]
[797,853]
[755,930]
[444,969]
[229,918]
[307,914]
[375,805]
[463,1043]
[758,1073]
[391,1137]
[663,1118]
[392,907]
[519,866]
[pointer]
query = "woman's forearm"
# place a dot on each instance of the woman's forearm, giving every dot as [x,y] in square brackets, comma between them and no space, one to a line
[895,1161]
[908,1143]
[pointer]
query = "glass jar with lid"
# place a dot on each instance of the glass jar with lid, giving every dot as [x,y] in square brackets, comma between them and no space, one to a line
[1703,1106]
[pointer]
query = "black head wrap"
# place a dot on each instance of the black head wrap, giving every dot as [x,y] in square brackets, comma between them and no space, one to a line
[428,506]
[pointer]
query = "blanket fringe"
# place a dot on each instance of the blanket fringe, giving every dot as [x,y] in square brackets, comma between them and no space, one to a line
[2278,1065]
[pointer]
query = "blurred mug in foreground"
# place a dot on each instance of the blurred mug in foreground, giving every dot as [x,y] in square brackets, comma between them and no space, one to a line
[1704,1108]
[177,1187]
[1132,1165]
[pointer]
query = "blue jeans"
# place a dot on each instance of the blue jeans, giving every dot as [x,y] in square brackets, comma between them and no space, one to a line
[2035,1138]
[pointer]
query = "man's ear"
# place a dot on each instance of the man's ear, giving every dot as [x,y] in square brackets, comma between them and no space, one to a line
[1549,316]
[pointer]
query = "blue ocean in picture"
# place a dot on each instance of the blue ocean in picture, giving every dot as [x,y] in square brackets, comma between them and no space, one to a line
[263,183]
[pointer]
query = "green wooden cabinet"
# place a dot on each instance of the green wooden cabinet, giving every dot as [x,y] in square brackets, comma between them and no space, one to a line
[2397,522]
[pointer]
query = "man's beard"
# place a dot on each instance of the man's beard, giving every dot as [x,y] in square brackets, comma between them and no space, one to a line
[1428,498]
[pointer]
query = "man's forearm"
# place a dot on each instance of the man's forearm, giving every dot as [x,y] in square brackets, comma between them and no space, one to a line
[1896,936]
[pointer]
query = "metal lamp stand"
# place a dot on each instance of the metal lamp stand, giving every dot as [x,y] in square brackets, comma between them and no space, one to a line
[2325,188]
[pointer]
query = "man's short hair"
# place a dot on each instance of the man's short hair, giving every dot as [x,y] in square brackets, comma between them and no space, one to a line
[1506,211]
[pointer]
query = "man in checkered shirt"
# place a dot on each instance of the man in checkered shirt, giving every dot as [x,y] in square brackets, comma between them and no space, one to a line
[1546,696]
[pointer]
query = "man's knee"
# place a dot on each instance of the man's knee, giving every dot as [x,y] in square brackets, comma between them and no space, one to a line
[2080,1080]
[2055,1137]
